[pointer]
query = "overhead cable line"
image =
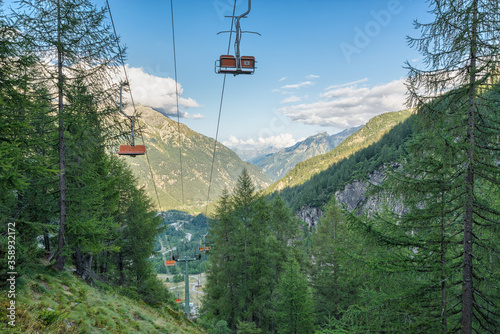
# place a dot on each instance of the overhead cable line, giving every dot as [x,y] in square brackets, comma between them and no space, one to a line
[219,117]
[177,101]
[132,99]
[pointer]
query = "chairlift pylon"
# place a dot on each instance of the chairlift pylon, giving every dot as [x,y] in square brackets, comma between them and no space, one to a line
[130,150]
[237,64]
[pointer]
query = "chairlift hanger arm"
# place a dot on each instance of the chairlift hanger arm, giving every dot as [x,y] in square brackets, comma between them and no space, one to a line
[125,83]
[247,12]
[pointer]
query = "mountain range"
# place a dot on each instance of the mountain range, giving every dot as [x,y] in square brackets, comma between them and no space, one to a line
[369,134]
[185,186]
[277,164]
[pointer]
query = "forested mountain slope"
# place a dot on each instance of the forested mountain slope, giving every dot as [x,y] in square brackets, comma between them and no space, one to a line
[317,190]
[371,133]
[161,138]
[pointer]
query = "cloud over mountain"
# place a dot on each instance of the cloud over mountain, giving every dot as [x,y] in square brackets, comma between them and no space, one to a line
[159,93]
[349,105]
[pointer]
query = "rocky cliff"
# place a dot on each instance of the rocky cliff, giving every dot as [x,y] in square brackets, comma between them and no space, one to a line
[356,197]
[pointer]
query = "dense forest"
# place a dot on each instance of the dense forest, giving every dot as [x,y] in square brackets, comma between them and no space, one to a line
[64,196]
[68,203]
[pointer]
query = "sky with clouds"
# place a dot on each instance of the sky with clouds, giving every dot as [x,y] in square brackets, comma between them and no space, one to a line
[321,65]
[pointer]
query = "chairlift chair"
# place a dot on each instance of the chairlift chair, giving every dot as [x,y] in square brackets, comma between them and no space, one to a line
[229,64]
[130,150]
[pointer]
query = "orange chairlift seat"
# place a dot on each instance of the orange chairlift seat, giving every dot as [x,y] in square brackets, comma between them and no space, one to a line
[228,64]
[130,150]
[178,300]
[170,263]
[204,248]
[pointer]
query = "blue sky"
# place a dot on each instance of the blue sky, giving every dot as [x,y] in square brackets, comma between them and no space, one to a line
[323,65]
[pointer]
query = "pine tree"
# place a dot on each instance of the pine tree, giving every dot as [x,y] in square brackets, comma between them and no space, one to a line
[222,287]
[243,199]
[327,245]
[25,139]
[461,50]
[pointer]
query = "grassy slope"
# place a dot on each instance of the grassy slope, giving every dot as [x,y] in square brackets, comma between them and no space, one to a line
[372,132]
[59,302]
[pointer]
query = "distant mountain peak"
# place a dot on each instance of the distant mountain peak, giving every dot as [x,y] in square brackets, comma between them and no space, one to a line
[277,164]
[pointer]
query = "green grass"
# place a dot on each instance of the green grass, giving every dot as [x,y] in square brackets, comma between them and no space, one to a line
[59,302]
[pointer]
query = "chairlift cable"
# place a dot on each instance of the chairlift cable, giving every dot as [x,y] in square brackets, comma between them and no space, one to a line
[219,117]
[177,101]
[132,99]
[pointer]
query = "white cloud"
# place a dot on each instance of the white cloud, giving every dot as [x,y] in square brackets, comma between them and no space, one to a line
[349,105]
[312,76]
[158,93]
[291,99]
[282,79]
[297,86]
[347,84]
[279,141]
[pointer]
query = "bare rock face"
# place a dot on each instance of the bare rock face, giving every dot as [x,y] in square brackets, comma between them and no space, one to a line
[310,216]
[356,198]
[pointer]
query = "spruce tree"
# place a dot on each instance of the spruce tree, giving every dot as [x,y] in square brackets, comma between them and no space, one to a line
[223,275]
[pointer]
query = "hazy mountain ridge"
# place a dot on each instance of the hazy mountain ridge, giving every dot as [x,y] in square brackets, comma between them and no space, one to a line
[186,190]
[370,133]
[277,164]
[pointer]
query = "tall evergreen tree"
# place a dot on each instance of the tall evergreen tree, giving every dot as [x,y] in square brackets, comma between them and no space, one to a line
[461,51]
[223,275]
[77,47]
[326,256]
[243,199]
[294,305]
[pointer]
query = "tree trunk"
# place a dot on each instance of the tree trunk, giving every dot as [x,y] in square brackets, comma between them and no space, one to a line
[120,269]
[467,274]
[83,264]
[60,258]
[444,324]
[467,279]
[46,241]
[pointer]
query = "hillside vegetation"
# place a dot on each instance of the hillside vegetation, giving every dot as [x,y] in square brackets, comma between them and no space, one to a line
[358,165]
[59,302]
[372,132]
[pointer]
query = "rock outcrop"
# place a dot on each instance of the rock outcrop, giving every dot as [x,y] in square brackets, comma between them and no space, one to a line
[356,197]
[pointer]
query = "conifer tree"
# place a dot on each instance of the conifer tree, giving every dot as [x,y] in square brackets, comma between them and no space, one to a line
[76,46]
[459,90]
[222,287]
[294,305]
[326,256]
[243,198]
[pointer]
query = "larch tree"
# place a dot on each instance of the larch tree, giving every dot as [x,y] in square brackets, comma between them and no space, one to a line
[461,51]
[75,46]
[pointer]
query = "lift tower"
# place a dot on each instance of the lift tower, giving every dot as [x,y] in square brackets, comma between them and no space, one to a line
[186,279]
